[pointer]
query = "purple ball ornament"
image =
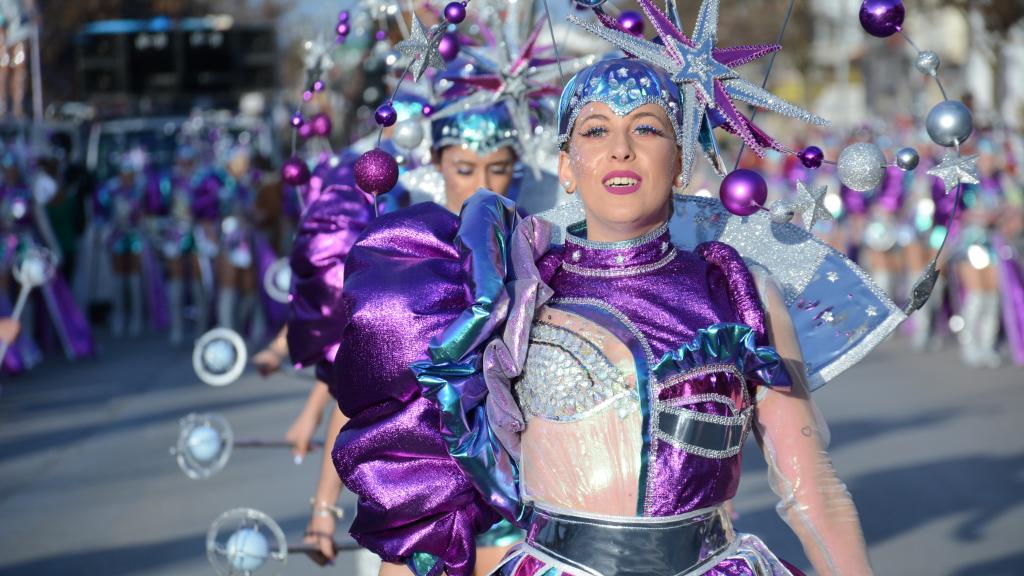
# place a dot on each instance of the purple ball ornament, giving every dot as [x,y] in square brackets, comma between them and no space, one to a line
[322,125]
[811,157]
[743,192]
[882,18]
[376,172]
[343,29]
[343,16]
[386,115]
[294,172]
[297,120]
[318,86]
[427,110]
[455,12]
[307,96]
[632,23]
[449,47]
[306,130]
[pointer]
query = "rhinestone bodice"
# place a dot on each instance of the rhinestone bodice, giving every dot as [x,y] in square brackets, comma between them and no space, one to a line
[568,375]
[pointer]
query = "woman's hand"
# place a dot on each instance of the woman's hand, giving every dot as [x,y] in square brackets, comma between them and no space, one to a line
[320,532]
[267,361]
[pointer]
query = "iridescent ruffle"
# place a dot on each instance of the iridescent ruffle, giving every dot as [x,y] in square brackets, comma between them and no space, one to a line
[472,364]
[726,344]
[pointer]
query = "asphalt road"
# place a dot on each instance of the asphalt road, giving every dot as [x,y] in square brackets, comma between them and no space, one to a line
[933,453]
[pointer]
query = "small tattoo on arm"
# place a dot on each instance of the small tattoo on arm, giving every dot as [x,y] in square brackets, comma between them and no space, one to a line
[806,431]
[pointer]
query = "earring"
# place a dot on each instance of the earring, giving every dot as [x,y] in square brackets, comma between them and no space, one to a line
[566,184]
[679,181]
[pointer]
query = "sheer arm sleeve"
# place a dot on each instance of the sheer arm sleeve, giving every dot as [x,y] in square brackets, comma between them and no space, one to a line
[814,502]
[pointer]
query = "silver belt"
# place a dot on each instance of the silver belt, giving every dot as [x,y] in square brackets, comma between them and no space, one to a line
[618,546]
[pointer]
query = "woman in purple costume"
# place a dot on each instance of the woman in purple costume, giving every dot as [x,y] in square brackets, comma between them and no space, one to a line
[177,241]
[597,394]
[24,226]
[473,149]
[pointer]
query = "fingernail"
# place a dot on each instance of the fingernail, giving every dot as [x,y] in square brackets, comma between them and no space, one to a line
[298,459]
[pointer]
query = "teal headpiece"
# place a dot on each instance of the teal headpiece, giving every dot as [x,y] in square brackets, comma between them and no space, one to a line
[482,129]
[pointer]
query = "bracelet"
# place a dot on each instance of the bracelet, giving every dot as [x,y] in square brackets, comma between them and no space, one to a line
[325,509]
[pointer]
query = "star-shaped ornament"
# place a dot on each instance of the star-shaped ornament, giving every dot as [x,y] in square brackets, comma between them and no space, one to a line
[422,48]
[812,205]
[519,76]
[705,76]
[956,170]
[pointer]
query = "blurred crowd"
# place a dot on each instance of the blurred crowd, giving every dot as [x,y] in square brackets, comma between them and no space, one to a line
[179,241]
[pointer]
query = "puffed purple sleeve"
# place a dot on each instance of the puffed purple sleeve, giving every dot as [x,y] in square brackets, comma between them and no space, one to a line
[316,314]
[404,284]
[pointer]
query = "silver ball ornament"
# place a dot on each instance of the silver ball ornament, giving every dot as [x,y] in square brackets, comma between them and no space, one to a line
[907,159]
[927,62]
[781,211]
[408,134]
[949,122]
[861,166]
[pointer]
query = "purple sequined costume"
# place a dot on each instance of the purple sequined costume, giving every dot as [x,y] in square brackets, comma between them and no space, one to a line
[614,346]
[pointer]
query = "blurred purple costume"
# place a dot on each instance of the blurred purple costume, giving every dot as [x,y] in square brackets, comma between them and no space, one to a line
[439,319]
[18,232]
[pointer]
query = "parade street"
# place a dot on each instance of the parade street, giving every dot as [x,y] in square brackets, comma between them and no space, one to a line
[931,450]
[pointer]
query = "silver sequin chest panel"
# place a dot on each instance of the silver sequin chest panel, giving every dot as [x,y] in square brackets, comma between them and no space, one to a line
[567,377]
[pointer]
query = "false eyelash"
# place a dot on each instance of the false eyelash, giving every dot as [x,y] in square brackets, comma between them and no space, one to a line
[648,129]
[595,131]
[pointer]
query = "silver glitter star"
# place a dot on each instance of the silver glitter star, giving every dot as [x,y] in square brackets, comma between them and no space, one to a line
[423,49]
[827,317]
[521,82]
[832,276]
[956,170]
[811,204]
[871,311]
[705,76]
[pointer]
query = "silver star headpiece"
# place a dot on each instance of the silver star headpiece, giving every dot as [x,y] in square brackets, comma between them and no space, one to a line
[422,48]
[706,79]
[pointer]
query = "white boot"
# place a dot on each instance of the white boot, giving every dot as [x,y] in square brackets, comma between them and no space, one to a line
[137,299]
[968,337]
[226,299]
[202,306]
[988,330]
[117,311]
[175,297]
